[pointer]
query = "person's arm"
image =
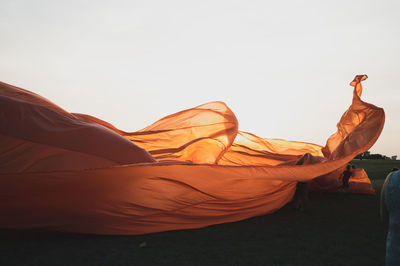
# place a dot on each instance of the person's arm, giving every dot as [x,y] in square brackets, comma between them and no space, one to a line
[383,210]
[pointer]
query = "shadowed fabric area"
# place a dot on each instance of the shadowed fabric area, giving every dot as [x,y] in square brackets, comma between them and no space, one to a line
[77,173]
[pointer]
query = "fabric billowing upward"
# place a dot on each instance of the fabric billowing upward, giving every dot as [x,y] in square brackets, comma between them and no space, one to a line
[75,172]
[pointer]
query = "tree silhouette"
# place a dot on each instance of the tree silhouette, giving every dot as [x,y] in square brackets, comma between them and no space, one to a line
[374,156]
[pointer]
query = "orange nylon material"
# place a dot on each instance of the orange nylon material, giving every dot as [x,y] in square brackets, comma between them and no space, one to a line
[77,173]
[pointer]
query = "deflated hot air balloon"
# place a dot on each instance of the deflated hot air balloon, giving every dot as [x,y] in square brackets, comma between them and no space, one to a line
[74,172]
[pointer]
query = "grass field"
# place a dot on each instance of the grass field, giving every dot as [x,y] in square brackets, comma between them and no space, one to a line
[336,229]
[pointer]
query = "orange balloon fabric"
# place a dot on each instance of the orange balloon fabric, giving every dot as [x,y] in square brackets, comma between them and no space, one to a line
[360,183]
[77,173]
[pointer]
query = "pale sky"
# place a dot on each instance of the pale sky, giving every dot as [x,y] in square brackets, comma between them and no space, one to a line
[283,67]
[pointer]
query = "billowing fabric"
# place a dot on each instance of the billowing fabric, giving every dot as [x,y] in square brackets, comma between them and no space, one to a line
[75,172]
[392,198]
[332,182]
[360,183]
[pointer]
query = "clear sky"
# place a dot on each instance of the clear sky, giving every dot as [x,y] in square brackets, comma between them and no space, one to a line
[283,67]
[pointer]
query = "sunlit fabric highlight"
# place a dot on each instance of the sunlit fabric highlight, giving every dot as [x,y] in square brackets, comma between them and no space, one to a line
[74,172]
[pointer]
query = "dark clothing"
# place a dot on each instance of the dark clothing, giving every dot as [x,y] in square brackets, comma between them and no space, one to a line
[302,190]
[346,176]
[301,196]
[392,199]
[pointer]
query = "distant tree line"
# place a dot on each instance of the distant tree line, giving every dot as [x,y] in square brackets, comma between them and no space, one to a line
[374,156]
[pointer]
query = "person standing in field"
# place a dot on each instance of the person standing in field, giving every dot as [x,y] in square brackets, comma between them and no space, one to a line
[301,196]
[390,214]
[300,199]
[346,176]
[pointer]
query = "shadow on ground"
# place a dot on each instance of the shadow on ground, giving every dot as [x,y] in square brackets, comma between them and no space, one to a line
[336,229]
